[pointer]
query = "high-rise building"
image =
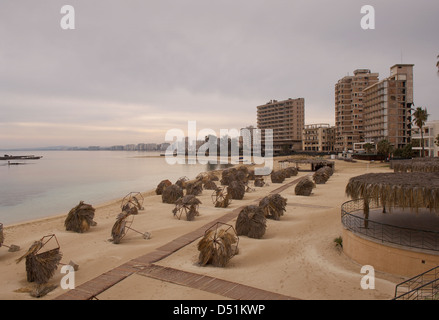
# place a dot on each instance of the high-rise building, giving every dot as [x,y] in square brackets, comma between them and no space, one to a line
[349,108]
[318,137]
[286,119]
[387,107]
[430,132]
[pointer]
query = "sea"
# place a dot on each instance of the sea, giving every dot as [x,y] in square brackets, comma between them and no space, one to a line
[58,181]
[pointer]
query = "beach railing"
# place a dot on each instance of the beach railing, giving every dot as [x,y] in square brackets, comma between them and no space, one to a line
[424,286]
[354,220]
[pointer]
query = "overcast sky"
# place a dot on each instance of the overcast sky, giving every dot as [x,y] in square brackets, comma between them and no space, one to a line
[133,69]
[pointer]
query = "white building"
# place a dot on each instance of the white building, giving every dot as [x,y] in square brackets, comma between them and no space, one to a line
[431,131]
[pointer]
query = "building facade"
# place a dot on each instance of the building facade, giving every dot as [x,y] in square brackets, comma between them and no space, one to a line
[387,107]
[431,131]
[349,121]
[318,137]
[286,119]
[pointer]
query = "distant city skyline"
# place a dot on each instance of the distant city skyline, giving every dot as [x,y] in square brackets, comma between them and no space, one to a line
[131,71]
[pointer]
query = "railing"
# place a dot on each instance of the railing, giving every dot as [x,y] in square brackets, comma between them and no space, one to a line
[407,237]
[422,287]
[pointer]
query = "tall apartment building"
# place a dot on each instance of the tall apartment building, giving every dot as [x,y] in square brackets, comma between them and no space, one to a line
[318,137]
[286,119]
[387,107]
[349,108]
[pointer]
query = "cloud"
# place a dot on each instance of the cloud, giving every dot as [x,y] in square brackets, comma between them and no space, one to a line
[158,64]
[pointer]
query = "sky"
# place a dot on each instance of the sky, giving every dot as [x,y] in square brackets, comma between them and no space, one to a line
[133,69]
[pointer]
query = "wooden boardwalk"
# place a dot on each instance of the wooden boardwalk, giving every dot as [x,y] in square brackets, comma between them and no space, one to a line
[144,265]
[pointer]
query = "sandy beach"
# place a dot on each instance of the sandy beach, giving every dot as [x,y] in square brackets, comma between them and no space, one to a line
[297,256]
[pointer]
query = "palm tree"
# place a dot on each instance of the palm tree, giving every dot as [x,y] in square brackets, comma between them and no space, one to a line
[420,117]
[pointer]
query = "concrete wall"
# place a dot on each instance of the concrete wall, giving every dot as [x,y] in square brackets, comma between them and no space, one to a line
[392,259]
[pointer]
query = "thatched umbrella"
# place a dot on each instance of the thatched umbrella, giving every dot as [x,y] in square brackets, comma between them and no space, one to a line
[80,218]
[227,176]
[210,185]
[172,193]
[218,246]
[236,189]
[277,176]
[194,187]
[304,187]
[181,182]
[221,198]
[162,185]
[123,223]
[273,206]
[187,205]
[292,171]
[12,247]
[251,222]
[259,182]
[41,265]
[405,190]
[322,175]
[131,200]
[415,165]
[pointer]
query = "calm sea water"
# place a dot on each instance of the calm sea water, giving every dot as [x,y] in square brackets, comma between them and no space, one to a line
[57,182]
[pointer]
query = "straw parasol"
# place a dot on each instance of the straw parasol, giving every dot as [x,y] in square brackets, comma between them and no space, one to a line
[194,187]
[172,193]
[304,187]
[277,176]
[80,218]
[221,198]
[123,223]
[41,265]
[236,189]
[251,222]
[218,246]
[322,175]
[187,205]
[415,165]
[406,190]
[273,206]
[12,247]
[131,200]
[210,185]
[161,186]
[181,182]
[259,182]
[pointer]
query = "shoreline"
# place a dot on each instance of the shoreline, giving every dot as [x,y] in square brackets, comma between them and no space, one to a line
[300,246]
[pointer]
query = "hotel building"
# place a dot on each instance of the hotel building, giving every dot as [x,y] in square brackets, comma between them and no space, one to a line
[286,119]
[349,120]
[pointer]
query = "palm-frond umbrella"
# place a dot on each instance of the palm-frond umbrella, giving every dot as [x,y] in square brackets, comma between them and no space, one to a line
[304,187]
[227,176]
[210,185]
[221,198]
[162,185]
[41,265]
[218,246]
[273,206]
[322,175]
[277,176]
[172,193]
[194,187]
[406,190]
[251,222]
[181,182]
[12,247]
[80,218]
[187,205]
[236,189]
[123,223]
[259,182]
[131,200]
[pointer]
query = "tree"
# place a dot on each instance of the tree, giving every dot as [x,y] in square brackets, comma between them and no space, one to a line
[420,117]
[368,147]
[384,147]
[436,141]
